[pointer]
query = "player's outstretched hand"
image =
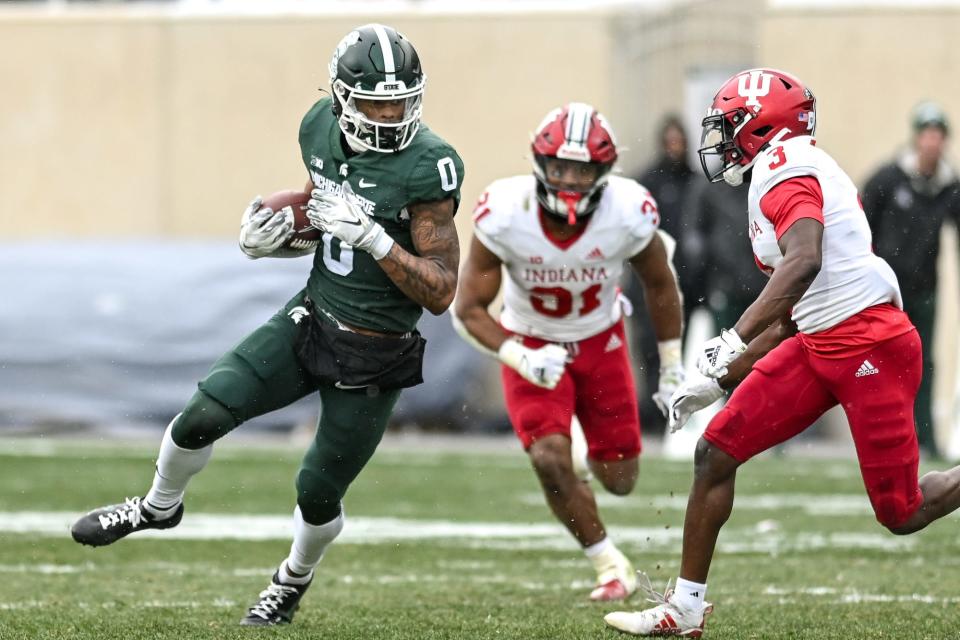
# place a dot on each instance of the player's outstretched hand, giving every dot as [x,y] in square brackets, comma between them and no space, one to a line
[670,380]
[543,366]
[344,218]
[697,392]
[718,352]
[262,230]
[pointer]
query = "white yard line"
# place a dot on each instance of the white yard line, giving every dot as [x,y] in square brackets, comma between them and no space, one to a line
[765,537]
[853,596]
[815,504]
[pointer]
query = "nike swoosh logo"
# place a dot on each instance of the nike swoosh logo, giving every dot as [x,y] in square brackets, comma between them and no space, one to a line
[340,385]
[365,185]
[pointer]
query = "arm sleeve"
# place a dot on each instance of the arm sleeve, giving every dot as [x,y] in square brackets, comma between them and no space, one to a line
[792,200]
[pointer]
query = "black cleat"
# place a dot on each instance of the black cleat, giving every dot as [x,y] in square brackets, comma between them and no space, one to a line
[277,604]
[106,525]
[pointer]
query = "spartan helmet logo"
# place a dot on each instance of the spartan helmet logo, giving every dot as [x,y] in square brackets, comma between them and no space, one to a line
[754,85]
[298,313]
[348,41]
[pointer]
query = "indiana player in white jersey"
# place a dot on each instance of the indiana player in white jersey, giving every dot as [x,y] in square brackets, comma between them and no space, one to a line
[563,235]
[827,329]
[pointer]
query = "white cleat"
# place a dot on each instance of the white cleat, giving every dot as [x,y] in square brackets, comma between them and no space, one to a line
[666,619]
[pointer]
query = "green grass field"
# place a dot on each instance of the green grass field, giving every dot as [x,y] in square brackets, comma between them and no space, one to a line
[444,544]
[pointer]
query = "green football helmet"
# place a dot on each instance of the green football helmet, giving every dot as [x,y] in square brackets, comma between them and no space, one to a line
[375,62]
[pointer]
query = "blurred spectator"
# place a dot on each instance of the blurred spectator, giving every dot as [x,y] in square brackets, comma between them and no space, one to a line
[668,179]
[716,239]
[906,202]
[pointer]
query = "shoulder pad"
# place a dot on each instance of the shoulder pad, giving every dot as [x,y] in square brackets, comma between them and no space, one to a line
[790,159]
[637,207]
[498,203]
[311,117]
[437,171]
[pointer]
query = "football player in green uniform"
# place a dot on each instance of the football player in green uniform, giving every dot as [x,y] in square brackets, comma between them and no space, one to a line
[384,191]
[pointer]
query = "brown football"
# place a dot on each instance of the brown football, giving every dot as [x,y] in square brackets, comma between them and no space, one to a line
[305,235]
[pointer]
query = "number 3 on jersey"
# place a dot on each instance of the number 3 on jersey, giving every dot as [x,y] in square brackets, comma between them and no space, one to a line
[779,158]
[557,302]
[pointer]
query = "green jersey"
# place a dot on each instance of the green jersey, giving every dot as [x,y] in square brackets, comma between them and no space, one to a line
[350,284]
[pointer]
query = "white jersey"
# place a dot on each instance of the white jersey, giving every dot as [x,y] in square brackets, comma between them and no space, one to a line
[852,278]
[563,293]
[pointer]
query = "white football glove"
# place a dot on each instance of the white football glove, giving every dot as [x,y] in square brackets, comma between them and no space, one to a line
[543,367]
[697,392]
[671,378]
[263,231]
[718,352]
[343,217]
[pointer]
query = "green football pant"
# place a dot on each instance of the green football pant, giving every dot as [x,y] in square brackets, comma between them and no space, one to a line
[262,374]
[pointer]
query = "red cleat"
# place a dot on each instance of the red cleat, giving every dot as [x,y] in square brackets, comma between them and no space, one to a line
[609,591]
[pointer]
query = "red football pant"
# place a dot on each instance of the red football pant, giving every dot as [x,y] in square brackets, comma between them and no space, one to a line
[597,386]
[789,388]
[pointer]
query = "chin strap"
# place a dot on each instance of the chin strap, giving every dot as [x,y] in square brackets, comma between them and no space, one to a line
[734,175]
[572,198]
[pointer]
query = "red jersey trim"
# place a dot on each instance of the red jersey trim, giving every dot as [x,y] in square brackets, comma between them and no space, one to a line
[562,244]
[792,200]
[859,333]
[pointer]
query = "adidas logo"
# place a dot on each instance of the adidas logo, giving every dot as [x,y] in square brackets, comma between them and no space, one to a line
[613,344]
[596,254]
[866,369]
[711,355]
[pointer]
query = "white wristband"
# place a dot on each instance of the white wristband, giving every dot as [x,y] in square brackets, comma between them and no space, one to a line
[670,353]
[511,353]
[382,243]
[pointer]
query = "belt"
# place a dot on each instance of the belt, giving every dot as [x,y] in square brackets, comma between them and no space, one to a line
[343,326]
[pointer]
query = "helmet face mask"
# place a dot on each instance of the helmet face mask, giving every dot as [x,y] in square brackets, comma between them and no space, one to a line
[720,157]
[376,63]
[574,151]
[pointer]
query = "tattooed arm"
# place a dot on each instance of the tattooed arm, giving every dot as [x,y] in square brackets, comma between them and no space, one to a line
[429,279]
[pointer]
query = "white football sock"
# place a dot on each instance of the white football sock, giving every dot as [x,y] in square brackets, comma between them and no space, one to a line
[309,543]
[175,467]
[689,595]
[598,548]
[607,560]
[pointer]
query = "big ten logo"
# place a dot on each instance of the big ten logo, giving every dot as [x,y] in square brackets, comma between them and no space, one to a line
[536,259]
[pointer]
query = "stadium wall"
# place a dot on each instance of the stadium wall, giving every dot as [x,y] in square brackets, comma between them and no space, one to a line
[158,123]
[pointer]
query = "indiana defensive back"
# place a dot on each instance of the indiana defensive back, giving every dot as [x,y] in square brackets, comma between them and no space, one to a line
[827,329]
[563,235]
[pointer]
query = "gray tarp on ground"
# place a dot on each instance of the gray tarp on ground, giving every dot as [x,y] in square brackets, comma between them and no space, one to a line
[121,331]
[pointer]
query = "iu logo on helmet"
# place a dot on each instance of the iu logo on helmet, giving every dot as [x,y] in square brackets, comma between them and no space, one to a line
[759,86]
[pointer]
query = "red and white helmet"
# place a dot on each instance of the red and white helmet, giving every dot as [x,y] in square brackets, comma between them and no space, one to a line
[753,110]
[577,133]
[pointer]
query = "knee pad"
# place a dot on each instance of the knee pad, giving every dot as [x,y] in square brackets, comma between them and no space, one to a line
[203,421]
[318,496]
